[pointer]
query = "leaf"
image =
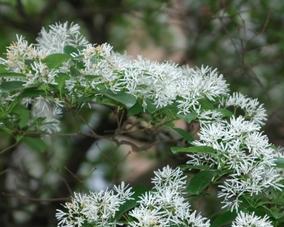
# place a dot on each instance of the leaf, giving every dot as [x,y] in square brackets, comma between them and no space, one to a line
[194,149]
[11,85]
[223,219]
[70,49]
[199,167]
[6,130]
[3,68]
[35,143]
[24,115]
[184,134]
[136,109]
[150,108]
[55,60]
[11,74]
[206,104]
[124,208]
[189,117]
[225,112]
[279,162]
[61,79]
[200,181]
[31,92]
[138,191]
[169,111]
[126,99]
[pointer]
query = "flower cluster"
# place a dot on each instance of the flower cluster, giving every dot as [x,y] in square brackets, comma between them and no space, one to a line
[58,36]
[253,110]
[250,220]
[94,209]
[165,204]
[89,70]
[245,152]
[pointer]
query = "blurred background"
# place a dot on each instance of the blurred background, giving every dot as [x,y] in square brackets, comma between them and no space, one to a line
[243,39]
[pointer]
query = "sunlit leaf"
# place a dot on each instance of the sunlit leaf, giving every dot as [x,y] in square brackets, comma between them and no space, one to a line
[56,60]
[126,99]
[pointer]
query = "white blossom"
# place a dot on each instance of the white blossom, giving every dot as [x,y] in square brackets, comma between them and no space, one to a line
[18,53]
[49,111]
[165,204]
[253,109]
[243,150]
[97,209]
[251,220]
[59,36]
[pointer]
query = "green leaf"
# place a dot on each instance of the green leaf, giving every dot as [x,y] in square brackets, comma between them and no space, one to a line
[126,99]
[70,49]
[223,219]
[169,111]
[125,208]
[55,60]
[206,104]
[199,167]
[225,112]
[150,108]
[35,143]
[136,109]
[200,181]
[23,113]
[31,92]
[11,74]
[3,68]
[279,162]
[6,130]
[61,79]
[11,85]
[194,149]
[184,134]
[189,117]
[138,191]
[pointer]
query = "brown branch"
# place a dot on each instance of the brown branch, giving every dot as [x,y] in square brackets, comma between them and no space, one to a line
[9,148]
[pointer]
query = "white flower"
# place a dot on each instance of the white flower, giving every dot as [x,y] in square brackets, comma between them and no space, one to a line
[40,73]
[239,127]
[196,220]
[169,178]
[49,111]
[251,220]
[151,80]
[97,209]
[245,152]
[199,83]
[59,36]
[165,204]
[253,109]
[209,116]
[146,217]
[18,53]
